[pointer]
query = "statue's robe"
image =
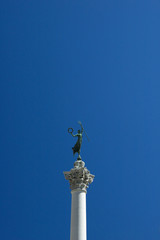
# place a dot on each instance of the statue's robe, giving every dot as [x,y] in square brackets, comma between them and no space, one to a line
[78,144]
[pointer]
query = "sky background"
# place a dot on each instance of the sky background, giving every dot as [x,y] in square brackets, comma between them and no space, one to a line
[98,62]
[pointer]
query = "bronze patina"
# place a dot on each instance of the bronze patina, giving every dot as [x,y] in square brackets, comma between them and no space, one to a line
[77,146]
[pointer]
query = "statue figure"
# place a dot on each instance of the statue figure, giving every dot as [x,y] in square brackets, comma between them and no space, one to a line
[77,146]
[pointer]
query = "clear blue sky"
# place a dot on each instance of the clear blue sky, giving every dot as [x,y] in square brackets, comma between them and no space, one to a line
[99,62]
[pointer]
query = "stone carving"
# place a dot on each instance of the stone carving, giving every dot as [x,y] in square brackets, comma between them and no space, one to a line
[79,176]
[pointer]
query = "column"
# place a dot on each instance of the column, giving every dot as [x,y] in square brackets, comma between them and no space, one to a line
[79,178]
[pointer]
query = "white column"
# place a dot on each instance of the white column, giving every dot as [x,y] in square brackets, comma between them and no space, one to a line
[79,178]
[78,215]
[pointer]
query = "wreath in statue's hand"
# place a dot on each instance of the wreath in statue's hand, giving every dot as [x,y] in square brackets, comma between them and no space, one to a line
[70,130]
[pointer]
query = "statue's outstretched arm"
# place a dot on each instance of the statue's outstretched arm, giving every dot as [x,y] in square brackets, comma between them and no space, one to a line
[74,135]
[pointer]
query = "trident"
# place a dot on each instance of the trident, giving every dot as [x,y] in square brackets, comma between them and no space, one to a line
[84,131]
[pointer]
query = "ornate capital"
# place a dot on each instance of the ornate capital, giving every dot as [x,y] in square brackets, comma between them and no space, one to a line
[79,176]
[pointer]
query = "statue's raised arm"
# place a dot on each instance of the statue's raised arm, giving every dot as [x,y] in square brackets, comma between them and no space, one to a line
[81,126]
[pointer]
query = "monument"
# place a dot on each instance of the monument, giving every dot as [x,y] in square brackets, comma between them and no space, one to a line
[79,178]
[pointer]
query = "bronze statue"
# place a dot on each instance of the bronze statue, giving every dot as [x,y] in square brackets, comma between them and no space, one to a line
[77,146]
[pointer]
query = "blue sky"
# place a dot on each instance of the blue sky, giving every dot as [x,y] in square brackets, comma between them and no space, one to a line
[94,61]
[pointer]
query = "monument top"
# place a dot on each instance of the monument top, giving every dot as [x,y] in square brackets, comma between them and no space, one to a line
[79,135]
[79,177]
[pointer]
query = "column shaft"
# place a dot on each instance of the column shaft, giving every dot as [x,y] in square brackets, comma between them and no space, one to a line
[78,215]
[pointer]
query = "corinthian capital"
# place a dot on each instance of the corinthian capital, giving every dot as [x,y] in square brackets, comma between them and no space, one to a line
[79,177]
